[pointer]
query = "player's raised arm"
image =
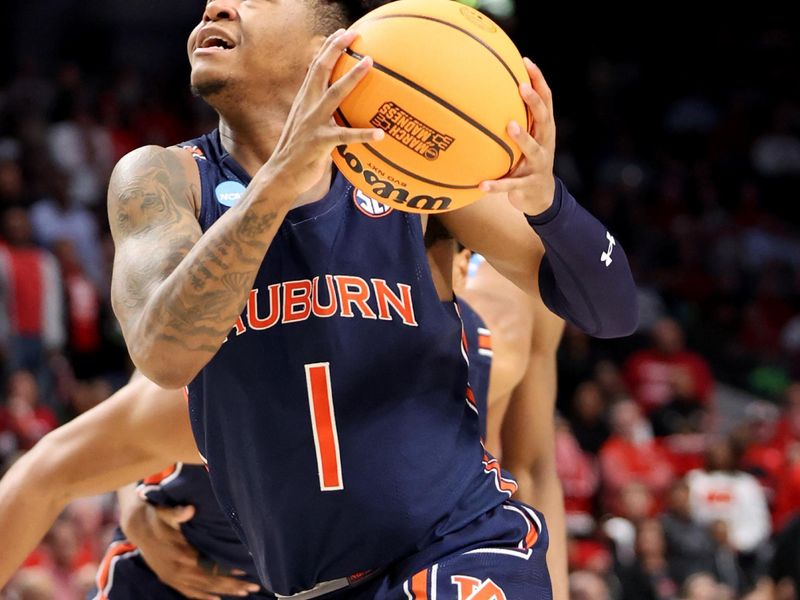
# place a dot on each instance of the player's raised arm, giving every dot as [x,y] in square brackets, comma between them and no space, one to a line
[176,293]
[577,266]
[139,430]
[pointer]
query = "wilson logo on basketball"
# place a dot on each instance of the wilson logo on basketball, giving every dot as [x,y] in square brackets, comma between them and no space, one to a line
[410,131]
[386,190]
[368,206]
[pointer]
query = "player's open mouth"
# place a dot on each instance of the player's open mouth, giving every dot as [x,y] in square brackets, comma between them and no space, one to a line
[214,40]
[217,42]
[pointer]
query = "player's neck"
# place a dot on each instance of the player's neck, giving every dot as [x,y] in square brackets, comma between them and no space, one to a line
[250,136]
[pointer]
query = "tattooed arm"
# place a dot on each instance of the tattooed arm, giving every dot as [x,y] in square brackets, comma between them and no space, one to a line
[177,294]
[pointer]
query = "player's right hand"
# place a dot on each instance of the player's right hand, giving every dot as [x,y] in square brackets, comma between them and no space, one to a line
[310,133]
[156,531]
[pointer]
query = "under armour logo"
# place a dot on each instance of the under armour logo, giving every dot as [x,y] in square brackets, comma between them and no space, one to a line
[606,256]
[470,588]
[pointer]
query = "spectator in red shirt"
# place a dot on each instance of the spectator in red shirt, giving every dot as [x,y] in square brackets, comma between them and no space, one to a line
[31,312]
[786,445]
[788,429]
[631,454]
[667,372]
[22,415]
[579,477]
[762,458]
[787,493]
[64,561]
[83,313]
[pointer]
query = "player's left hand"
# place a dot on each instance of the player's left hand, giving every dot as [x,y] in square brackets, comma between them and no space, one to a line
[531,186]
[156,531]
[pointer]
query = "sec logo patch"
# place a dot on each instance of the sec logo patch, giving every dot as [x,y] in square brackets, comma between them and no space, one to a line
[368,206]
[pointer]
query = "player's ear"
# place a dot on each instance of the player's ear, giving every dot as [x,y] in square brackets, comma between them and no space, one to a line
[460,269]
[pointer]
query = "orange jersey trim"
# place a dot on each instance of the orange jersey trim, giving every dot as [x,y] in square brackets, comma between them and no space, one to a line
[157,478]
[103,573]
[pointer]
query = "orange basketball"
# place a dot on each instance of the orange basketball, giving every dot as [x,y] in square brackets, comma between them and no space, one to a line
[444,86]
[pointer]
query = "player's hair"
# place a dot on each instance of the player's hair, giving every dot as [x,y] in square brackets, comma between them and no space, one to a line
[331,15]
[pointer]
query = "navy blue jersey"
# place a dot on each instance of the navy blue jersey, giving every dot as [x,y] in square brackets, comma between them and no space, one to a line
[336,419]
[479,351]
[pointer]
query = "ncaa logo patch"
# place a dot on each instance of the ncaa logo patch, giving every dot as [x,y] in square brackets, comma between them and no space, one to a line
[368,206]
[229,192]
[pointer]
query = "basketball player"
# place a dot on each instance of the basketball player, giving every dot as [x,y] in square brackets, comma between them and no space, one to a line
[528,442]
[173,541]
[524,338]
[153,526]
[326,378]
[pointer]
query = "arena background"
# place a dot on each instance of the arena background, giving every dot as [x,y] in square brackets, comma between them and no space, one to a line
[683,137]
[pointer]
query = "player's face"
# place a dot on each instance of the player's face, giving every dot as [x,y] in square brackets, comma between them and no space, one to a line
[240,44]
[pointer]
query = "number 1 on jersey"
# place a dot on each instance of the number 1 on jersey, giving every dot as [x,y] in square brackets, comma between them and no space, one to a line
[323,424]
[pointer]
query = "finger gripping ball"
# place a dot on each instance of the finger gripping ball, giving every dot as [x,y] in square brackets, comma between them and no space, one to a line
[444,86]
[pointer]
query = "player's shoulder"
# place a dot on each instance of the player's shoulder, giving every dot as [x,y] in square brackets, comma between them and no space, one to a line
[169,171]
[154,159]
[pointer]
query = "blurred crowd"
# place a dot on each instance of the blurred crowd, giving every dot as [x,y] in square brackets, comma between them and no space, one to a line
[666,498]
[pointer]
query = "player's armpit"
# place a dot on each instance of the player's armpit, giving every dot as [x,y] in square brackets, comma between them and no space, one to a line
[138,431]
[494,228]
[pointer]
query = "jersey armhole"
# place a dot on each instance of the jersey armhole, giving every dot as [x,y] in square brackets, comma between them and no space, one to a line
[201,164]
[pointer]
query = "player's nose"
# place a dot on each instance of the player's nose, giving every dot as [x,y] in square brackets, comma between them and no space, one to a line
[221,10]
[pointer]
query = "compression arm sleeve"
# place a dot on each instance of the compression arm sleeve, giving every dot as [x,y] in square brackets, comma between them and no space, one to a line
[584,276]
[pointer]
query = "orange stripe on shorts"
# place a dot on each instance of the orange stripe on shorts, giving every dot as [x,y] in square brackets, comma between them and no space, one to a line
[105,566]
[419,585]
[532,537]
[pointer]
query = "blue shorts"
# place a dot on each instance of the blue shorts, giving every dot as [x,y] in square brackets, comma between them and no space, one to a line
[124,575]
[502,557]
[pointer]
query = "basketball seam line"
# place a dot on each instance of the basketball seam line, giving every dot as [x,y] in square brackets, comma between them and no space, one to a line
[467,33]
[453,26]
[401,169]
[442,102]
